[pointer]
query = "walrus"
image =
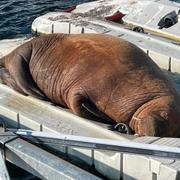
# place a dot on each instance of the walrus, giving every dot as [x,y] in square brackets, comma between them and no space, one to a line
[96,76]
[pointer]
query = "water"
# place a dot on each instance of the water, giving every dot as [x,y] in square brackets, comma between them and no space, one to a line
[16,16]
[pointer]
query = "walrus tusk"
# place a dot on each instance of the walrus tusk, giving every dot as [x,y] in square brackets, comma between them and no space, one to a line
[91,108]
[136,118]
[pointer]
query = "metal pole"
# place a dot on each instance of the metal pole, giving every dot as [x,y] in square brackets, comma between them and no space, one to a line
[103,144]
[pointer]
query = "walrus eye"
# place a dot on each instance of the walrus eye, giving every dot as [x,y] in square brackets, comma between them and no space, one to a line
[122,128]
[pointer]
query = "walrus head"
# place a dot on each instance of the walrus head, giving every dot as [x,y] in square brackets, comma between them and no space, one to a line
[159,117]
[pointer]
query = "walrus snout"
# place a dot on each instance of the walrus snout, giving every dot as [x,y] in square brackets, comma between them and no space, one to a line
[152,126]
[158,117]
[155,125]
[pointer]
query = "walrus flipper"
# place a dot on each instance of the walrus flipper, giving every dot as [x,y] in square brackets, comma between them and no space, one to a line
[6,78]
[19,70]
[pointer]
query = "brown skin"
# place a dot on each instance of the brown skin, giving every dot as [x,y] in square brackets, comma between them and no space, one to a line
[96,75]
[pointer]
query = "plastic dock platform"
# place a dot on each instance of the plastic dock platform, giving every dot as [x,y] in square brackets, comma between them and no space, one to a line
[19,111]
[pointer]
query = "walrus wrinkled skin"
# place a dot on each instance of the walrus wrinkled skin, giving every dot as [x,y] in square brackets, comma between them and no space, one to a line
[96,76]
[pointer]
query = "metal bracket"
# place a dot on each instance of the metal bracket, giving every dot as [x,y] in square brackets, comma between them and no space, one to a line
[6,137]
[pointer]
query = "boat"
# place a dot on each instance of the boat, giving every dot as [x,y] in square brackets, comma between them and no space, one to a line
[20,112]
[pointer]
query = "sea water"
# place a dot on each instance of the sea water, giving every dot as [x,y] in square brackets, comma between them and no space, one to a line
[16,16]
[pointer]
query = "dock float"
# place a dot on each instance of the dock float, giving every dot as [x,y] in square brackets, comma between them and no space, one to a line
[113,165]
[163,51]
[18,111]
[158,17]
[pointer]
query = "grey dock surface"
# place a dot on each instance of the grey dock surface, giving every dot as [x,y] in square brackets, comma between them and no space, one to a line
[38,161]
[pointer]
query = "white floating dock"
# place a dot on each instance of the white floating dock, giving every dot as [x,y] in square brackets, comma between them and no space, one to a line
[144,13]
[147,15]
[164,52]
[143,167]
[7,45]
[26,112]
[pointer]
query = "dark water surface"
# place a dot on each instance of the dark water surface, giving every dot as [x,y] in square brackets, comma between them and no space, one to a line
[16,16]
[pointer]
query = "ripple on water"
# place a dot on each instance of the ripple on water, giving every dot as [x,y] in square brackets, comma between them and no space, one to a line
[16,16]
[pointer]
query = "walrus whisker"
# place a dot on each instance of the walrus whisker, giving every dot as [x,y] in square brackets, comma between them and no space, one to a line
[136,118]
